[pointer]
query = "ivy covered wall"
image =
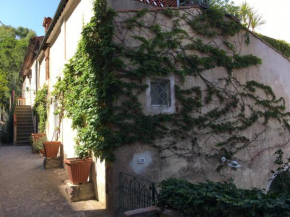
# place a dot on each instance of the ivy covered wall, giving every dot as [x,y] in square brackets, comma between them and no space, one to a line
[230,95]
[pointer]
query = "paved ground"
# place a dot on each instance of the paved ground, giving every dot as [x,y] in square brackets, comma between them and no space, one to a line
[27,190]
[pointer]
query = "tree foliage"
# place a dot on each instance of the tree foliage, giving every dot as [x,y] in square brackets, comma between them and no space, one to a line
[248,16]
[13,46]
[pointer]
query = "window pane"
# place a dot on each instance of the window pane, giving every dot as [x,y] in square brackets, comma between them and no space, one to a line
[160,93]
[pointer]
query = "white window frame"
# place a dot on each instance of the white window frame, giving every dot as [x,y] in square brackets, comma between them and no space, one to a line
[156,109]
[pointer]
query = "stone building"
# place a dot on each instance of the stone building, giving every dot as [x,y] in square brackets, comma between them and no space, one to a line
[196,155]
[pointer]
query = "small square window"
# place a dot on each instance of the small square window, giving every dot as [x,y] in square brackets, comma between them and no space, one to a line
[160,93]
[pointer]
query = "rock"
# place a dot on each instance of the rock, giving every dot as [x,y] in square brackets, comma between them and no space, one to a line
[80,192]
[52,163]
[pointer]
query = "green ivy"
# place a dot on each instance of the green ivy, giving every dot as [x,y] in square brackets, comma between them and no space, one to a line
[212,199]
[102,82]
[40,108]
[280,45]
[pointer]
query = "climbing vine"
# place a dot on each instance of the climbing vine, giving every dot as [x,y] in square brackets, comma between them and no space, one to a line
[104,83]
[40,107]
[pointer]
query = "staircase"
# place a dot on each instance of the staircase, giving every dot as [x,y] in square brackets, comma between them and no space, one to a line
[24,124]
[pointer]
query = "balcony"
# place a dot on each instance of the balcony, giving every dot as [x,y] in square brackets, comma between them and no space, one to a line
[189,2]
[173,3]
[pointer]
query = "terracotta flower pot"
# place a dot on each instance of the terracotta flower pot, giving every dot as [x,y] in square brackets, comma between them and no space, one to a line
[36,136]
[34,151]
[41,152]
[78,169]
[51,149]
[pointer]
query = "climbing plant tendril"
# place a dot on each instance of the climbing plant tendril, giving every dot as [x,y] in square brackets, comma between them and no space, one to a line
[103,83]
[40,107]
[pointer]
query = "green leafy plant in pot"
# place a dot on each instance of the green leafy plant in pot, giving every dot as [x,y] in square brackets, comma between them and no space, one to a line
[37,145]
[79,168]
[51,148]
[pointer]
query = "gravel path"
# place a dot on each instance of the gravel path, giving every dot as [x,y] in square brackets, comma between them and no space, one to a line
[27,190]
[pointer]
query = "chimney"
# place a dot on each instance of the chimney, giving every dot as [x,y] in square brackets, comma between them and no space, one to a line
[46,23]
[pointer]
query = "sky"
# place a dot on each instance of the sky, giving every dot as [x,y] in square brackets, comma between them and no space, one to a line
[277,17]
[30,14]
[27,13]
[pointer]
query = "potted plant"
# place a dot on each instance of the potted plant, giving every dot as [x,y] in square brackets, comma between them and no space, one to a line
[79,168]
[51,147]
[37,146]
[36,136]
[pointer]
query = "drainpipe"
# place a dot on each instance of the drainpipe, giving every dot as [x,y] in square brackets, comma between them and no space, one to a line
[178,3]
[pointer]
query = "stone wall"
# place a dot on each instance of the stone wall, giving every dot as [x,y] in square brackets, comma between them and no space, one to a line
[202,162]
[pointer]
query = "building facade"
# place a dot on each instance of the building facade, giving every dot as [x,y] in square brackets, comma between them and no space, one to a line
[202,57]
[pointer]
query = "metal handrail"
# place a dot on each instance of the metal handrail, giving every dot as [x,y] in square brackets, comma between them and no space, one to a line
[21,101]
[184,2]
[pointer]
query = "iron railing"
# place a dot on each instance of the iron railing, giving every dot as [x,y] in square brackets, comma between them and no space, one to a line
[135,193]
[201,2]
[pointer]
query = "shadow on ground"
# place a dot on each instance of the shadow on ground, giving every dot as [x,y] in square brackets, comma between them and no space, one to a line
[28,190]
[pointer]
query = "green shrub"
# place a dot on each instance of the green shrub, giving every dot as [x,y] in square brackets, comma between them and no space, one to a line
[40,107]
[38,144]
[212,199]
[280,45]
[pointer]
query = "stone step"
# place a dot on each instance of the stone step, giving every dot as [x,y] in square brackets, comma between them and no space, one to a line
[28,130]
[23,112]
[23,115]
[24,119]
[23,106]
[25,129]
[22,109]
[25,135]
[23,139]
[24,123]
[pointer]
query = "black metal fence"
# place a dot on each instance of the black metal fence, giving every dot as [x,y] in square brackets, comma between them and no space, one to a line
[185,2]
[135,193]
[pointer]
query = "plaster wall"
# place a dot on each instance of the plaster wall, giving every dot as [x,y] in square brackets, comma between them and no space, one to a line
[32,89]
[28,86]
[256,161]
[63,44]
[41,72]
[56,63]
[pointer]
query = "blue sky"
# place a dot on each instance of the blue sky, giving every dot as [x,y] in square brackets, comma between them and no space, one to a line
[27,13]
